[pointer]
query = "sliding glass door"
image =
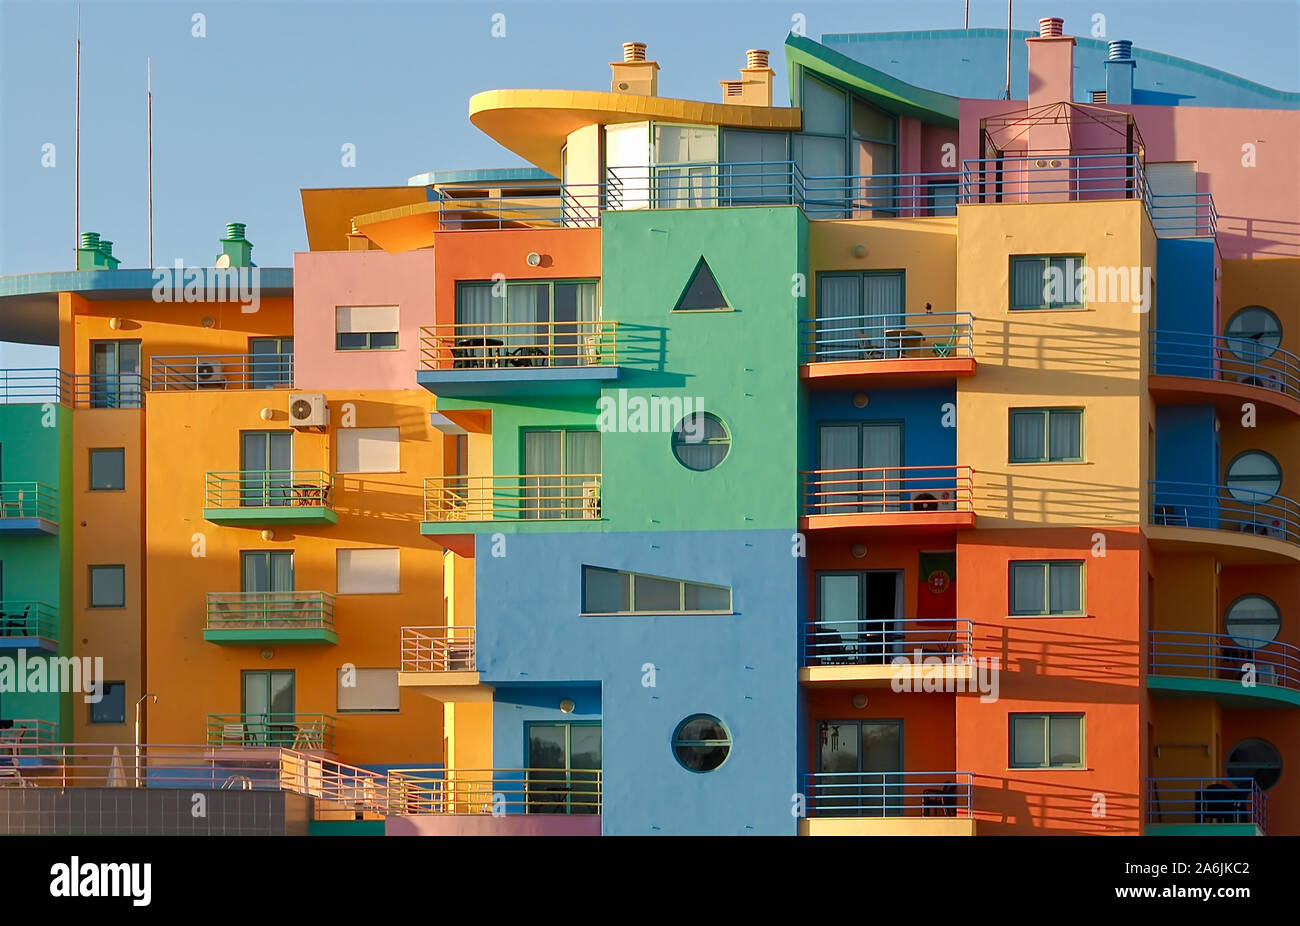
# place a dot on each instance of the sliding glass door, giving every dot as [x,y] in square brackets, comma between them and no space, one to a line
[858,762]
[561,475]
[266,469]
[564,761]
[526,324]
[861,467]
[859,618]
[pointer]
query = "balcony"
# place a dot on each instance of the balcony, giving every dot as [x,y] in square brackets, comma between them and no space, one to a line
[909,349]
[305,732]
[889,804]
[26,736]
[911,499]
[569,205]
[505,358]
[517,802]
[1236,671]
[1202,368]
[258,618]
[460,505]
[853,654]
[29,625]
[28,509]
[1243,526]
[255,497]
[443,658]
[233,372]
[1205,807]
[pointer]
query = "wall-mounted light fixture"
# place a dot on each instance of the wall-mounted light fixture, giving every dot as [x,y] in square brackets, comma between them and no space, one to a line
[860,399]
[567,706]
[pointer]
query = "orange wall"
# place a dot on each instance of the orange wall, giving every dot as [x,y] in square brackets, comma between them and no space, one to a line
[929,743]
[1088,664]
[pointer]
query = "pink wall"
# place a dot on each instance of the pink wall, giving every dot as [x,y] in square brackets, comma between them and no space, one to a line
[1258,207]
[323,280]
[518,824]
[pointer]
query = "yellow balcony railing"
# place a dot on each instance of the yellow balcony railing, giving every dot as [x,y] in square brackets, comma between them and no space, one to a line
[493,345]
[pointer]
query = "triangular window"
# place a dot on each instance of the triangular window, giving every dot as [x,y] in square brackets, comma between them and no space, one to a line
[702,293]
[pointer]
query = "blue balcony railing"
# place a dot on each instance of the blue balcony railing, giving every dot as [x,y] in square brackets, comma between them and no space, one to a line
[1206,800]
[889,794]
[1232,360]
[879,642]
[1226,508]
[1254,663]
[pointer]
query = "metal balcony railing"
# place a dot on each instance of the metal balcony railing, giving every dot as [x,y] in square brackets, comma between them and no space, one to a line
[277,488]
[935,336]
[889,489]
[1255,663]
[1206,800]
[415,791]
[197,372]
[438,649]
[512,498]
[35,387]
[17,735]
[889,794]
[571,205]
[1232,360]
[295,610]
[25,500]
[28,619]
[879,642]
[1225,508]
[280,730]
[499,345]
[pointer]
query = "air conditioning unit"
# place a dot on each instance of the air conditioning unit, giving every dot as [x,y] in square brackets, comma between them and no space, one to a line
[308,410]
[208,375]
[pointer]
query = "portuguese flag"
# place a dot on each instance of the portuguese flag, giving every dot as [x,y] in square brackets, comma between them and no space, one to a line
[937,596]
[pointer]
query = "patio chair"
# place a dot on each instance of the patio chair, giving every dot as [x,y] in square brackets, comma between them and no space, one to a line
[15,625]
[232,734]
[527,357]
[591,501]
[939,802]
[1222,803]
[15,502]
[1171,515]
[944,348]
[591,350]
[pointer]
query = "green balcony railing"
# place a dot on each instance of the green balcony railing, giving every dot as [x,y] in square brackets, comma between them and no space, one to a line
[21,501]
[292,496]
[265,617]
[276,730]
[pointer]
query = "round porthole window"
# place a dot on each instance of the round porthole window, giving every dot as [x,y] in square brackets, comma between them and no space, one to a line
[1255,758]
[1254,476]
[1252,621]
[701,743]
[701,441]
[1254,333]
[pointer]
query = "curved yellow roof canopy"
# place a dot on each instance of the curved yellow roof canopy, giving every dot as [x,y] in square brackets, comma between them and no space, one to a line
[535,124]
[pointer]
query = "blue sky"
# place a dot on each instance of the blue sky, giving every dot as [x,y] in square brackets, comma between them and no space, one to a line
[262,105]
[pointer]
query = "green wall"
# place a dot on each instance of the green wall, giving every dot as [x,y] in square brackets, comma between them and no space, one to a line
[36,446]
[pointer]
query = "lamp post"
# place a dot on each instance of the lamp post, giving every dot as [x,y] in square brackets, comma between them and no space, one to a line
[137,732]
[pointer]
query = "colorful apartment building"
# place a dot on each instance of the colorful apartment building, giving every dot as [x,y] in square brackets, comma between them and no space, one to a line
[908,460]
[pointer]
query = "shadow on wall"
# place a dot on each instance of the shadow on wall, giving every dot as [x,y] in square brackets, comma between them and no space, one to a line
[1008,805]
[1246,235]
[379,499]
[1063,348]
[1094,665]
[1033,499]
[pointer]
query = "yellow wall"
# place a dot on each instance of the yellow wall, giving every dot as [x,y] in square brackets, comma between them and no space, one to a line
[582,153]
[925,249]
[1090,357]
[190,433]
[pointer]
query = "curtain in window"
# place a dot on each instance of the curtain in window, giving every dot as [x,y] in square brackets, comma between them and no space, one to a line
[882,304]
[1063,588]
[1028,739]
[1064,435]
[1028,287]
[882,446]
[575,336]
[528,309]
[543,463]
[692,444]
[476,305]
[757,170]
[1027,436]
[839,307]
[840,447]
[1027,590]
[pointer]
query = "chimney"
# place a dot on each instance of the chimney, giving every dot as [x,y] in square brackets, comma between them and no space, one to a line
[236,247]
[1119,72]
[95,253]
[1051,64]
[634,74]
[755,85]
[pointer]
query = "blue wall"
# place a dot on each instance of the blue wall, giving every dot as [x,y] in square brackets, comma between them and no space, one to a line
[1187,466]
[536,649]
[1185,285]
[926,442]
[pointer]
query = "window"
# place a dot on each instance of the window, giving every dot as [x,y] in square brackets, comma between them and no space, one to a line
[115,374]
[1254,476]
[701,743]
[1257,759]
[860,316]
[756,171]
[368,450]
[1046,589]
[1047,282]
[368,691]
[528,323]
[702,293]
[610,591]
[107,469]
[365,327]
[1046,435]
[1252,621]
[1254,333]
[942,198]
[1047,740]
[267,571]
[701,441]
[561,474]
[270,363]
[685,172]
[108,586]
[111,708]
[369,572]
